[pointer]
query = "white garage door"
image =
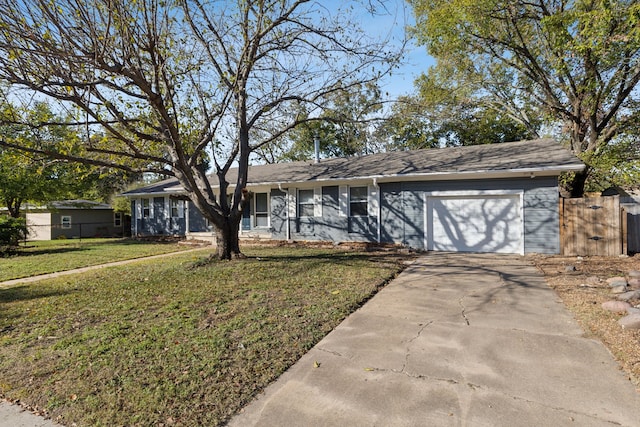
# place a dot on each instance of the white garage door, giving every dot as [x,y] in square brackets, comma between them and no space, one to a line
[474,223]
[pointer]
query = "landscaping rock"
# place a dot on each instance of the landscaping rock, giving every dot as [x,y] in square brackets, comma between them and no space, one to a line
[634,274]
[621,289]
[634,283]
[633,310]
[616,284]
[616,306]
[631,321]
[616,281]
[593,280]
[570,268]
[628,296]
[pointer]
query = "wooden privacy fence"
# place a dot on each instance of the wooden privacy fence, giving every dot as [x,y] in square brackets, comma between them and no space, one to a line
[591,226]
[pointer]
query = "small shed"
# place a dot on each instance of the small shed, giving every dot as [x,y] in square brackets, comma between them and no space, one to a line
[75,219]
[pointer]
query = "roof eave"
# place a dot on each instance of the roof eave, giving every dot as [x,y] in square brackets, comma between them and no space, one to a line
[427,176]
[432,176]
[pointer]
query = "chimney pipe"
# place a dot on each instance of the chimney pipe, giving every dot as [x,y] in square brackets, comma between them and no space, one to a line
[316,146]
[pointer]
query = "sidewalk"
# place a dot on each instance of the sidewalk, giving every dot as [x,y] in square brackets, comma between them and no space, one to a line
[9,283]
[16,416]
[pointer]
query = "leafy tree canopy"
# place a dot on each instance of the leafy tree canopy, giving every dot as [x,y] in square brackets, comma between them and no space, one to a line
[573,64]
[416,123]
[343,128]
[36,178]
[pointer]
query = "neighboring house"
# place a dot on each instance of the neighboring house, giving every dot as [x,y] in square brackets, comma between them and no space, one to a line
[487,198]
[75,219]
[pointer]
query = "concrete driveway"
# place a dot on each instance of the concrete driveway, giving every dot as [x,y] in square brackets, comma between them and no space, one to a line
[455,340]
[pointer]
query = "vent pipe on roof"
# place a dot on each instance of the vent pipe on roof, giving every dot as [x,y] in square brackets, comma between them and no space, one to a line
[316,147]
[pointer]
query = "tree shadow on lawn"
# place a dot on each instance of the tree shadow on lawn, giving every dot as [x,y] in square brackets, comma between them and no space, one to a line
[78,245]
[342,257]
[28,292]
[48,251]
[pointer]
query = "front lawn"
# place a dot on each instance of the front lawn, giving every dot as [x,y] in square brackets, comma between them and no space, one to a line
[34,258]
[157,343]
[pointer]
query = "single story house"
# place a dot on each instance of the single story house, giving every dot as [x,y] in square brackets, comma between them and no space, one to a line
[499,198]
[74,219]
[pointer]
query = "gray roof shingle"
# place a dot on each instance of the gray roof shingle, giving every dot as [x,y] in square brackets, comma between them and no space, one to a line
[522,156]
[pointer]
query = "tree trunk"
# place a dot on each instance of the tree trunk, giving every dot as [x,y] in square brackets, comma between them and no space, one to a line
[227,240]
[578,182]
[13,205]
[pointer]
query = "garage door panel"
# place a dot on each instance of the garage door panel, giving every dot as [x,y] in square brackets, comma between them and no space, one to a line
[475,224]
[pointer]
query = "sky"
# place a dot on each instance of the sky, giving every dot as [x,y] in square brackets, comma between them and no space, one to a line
[416,59]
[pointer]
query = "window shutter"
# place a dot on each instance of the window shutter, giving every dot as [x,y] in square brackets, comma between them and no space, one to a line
[344,200]
[374,201]
[317,202]
[292,202]
[245,224]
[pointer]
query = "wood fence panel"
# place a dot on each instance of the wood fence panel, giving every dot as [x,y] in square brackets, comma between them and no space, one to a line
[591,226]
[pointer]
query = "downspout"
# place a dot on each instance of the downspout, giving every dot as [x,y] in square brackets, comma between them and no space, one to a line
[379,208]
[186,219]
[288,226]
[136,215]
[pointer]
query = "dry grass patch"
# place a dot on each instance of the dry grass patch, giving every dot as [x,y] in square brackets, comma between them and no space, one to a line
[158,343]
[585,300]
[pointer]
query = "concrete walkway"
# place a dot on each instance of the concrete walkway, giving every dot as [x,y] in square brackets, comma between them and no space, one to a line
[9,283]
[455,340]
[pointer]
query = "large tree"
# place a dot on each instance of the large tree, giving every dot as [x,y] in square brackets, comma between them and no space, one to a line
[187,85]
[573,63]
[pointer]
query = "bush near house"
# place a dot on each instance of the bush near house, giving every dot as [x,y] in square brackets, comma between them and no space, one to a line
[12,230]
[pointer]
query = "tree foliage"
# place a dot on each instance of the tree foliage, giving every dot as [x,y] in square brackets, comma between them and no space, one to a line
[35,178]
[575,64]
[185,85]
[344,128]
[416,123]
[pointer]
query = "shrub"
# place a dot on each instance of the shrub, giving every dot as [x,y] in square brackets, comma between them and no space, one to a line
[12,230]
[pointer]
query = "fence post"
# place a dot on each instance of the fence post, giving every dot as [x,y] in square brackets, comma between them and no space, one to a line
[562,232]
[623,230]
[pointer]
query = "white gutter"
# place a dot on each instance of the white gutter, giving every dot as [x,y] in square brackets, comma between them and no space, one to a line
[426,176]
[433,176]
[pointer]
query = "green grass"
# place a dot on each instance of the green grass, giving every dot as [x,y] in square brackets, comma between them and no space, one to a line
[156,343]
[43,257]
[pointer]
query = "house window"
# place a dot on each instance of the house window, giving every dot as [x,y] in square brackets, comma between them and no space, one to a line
[261,209]
[65,221]
[177,208]
[117,219]
[146,209]
[358,201]
[305,203]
